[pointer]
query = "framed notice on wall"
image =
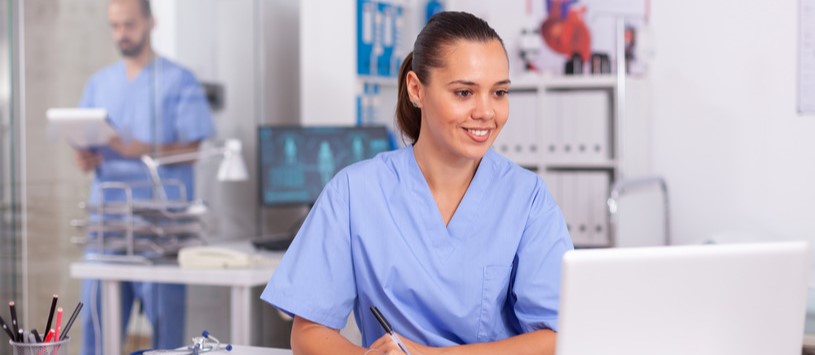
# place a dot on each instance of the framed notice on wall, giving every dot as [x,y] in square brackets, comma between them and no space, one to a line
[806,57]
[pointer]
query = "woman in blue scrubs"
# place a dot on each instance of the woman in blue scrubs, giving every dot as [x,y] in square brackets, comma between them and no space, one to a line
[459,248]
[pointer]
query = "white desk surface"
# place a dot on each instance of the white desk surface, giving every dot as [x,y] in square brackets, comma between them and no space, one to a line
[255,276]
[251,350]
[239,280]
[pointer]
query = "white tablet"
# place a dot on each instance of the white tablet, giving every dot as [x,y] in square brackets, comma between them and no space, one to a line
[80,127]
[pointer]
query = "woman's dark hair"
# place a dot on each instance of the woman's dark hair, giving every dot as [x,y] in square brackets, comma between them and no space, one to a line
[441,30]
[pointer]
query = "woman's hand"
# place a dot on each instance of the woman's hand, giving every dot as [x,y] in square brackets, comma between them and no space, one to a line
[385,345]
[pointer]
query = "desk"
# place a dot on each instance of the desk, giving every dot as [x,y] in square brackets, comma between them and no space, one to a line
[240,281]
[251,350]
[809,324]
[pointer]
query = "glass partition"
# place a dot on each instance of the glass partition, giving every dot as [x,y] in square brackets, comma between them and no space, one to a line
[206,80]
[9,193]
[11,265]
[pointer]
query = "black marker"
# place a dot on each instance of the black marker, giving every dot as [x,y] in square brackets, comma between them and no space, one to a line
[387,326]
[51,313]
[7,329]
[15,328]
[37,336]
[70,321]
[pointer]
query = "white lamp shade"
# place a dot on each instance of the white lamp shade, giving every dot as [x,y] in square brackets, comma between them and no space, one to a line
[232,167]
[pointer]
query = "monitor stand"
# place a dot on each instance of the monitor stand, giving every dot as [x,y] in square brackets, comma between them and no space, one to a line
[273,244]
[280,241]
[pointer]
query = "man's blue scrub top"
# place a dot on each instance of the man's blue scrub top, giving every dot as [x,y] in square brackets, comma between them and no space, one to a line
[164,104]
[375,237]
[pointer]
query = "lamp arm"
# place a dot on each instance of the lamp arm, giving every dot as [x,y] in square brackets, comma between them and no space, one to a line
[188,157]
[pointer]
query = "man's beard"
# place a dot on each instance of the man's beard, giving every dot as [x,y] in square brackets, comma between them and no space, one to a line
[132,51]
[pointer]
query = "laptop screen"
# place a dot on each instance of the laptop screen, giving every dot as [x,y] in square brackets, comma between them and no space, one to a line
[746,299]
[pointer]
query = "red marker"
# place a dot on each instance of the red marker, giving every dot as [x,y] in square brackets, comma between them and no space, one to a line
[49,336]
[58,325]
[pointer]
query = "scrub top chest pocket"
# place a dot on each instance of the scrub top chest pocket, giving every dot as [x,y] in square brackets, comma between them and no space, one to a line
[494,291]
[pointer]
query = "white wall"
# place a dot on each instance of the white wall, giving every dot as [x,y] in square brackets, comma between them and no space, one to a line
[328,62]
[737,156]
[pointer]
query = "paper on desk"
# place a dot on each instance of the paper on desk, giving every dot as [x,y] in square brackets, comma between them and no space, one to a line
[80,127]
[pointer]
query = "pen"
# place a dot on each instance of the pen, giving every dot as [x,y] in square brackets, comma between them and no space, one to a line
[47,339]
[71,321]
[58,325]
[51,313]
[7,329]
[14,326]
[49,336]
[36,335]
[387,326]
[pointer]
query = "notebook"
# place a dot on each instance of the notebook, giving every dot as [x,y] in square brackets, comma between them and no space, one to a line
[746,299]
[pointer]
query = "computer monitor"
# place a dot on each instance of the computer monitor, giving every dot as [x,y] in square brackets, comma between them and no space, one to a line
[747,299]
[296,162]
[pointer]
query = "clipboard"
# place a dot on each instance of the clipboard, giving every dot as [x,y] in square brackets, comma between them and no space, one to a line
[80,127]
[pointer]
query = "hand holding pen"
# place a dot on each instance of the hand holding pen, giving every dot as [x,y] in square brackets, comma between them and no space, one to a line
[387,326]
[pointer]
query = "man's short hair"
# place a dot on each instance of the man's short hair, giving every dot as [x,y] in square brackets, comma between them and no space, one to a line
[145,8]
[144,5]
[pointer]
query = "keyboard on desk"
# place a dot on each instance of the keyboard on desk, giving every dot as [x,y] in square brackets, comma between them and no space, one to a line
[272,244]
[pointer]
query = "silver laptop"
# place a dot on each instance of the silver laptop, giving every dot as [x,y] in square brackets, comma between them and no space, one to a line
[745,299]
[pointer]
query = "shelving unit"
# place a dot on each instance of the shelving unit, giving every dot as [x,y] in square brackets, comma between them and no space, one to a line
[570,131]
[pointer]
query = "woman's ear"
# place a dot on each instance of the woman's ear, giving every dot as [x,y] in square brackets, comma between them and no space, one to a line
[415,89]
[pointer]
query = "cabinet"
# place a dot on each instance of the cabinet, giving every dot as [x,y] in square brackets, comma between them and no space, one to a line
[581,134]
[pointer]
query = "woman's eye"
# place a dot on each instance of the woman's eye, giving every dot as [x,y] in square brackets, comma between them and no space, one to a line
[500,93]
[463,93]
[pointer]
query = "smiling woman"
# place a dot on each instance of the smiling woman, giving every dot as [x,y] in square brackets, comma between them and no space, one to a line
[457,246]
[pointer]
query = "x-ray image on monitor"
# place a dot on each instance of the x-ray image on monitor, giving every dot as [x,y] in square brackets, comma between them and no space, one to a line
[297,162]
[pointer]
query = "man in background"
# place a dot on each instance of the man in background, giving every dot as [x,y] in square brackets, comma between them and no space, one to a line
[157,108]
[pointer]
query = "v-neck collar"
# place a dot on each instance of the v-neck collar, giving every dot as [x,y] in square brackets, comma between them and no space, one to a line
[467,213]
[149,67]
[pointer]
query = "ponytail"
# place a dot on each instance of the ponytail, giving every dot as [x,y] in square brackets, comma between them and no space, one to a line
[408,117]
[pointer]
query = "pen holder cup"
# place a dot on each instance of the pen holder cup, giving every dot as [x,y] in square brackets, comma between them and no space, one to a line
[57,348]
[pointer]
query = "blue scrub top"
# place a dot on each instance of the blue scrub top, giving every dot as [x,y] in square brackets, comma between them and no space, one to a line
[375,237]
[164,104]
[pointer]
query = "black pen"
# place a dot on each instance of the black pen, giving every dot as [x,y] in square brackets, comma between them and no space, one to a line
[70,321]
[51,313]
[36,334]
[14,326]
[7,329]
[387,326]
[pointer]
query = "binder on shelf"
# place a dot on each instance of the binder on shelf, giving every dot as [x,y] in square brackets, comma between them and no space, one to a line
[601,215]
[567,118]
[583,200]
[520,132]
[552,127]
[596,185]
[570,209]
[592,114]
[577,127]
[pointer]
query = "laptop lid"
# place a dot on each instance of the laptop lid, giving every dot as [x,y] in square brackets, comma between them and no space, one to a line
[705,299]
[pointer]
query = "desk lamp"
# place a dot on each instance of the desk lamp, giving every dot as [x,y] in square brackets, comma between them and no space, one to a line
[232,167]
